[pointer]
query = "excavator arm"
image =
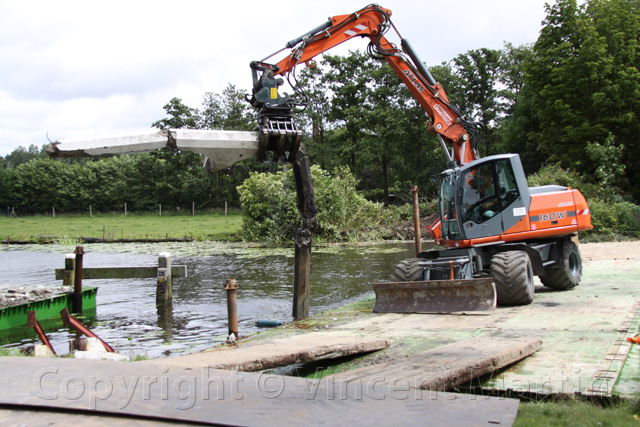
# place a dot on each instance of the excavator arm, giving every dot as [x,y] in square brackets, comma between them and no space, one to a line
[275,110]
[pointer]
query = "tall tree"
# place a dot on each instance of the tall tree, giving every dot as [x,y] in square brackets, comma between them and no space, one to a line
[227,110]
[478,71]
[584,82]
[315,120]
[348,79]
[180,116]
[520,120]
[23,155]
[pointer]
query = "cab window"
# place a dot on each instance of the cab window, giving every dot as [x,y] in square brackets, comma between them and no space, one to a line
[507,183]
[480,200]
[487,191]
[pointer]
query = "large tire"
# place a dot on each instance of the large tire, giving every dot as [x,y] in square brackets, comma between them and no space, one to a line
[568,276]
[513,275]
[408,270]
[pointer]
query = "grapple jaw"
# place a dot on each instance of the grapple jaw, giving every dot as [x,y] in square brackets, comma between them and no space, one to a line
[279,135]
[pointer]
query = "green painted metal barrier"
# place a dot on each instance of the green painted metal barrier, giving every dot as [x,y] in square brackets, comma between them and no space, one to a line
[11,317]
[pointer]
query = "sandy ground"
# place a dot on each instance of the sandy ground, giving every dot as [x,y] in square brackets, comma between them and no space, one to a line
[610,251]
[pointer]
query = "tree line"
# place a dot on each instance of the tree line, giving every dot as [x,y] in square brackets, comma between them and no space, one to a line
[567,103]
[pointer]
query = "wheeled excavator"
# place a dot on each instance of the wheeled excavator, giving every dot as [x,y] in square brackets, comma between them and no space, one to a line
[495,232]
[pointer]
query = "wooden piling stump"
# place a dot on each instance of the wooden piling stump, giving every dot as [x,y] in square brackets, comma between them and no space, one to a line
[69,270]
[164,290]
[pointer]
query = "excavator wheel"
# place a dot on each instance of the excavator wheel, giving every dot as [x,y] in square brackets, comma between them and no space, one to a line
[513,276]
[408,270]
[568,276]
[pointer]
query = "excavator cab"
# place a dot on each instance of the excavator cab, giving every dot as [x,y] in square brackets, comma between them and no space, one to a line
[483,198]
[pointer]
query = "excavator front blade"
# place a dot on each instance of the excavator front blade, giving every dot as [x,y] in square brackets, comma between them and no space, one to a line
[435,296]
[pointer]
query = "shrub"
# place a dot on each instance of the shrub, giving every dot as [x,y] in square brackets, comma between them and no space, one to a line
[270,213]
[553,174]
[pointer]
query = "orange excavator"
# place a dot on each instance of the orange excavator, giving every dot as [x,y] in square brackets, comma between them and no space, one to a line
[496,232]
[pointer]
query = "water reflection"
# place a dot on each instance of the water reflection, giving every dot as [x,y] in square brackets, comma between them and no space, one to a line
[128,318]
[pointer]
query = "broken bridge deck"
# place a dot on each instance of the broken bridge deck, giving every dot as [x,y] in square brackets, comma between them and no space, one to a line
[258,355]
[448,366]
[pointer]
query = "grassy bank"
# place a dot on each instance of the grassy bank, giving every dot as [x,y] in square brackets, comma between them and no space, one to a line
[204,226]
[575,412]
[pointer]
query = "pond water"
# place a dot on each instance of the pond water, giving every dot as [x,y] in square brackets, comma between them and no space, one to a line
[127,317]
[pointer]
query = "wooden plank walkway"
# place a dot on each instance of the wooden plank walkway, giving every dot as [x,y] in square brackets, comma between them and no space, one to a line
[258,355]
[448,366]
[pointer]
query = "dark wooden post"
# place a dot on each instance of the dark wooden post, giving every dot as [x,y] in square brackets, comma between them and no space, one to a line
[302,274]
[164,287]
[302,263]
[77,283]
[416,220]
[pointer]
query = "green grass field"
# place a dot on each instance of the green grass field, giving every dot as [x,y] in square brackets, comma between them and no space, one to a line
[204,226]
[577,413]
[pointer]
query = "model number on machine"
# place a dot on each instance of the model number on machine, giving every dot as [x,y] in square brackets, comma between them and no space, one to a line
[553,216]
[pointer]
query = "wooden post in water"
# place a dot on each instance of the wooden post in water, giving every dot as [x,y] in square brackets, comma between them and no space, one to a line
[307,208]
[69,270]
[164,287]
[302,274]
[77,281]
[416,220]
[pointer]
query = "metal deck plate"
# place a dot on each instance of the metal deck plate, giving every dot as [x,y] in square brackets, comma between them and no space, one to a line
[200,394]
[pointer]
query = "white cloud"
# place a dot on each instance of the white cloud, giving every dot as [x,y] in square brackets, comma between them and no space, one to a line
[79,68]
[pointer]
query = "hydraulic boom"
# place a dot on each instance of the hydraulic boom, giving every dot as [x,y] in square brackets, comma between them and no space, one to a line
[372,22]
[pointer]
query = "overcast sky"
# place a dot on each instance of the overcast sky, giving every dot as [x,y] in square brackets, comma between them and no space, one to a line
[95,68]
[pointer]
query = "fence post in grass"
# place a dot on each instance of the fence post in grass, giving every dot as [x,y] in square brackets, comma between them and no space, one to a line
[164,289]
[125,208]
[193,208]
[225,208]
[53,211]
[90,211]
[160,209]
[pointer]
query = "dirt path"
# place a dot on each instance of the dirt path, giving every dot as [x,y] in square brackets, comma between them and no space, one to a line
[610,251]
